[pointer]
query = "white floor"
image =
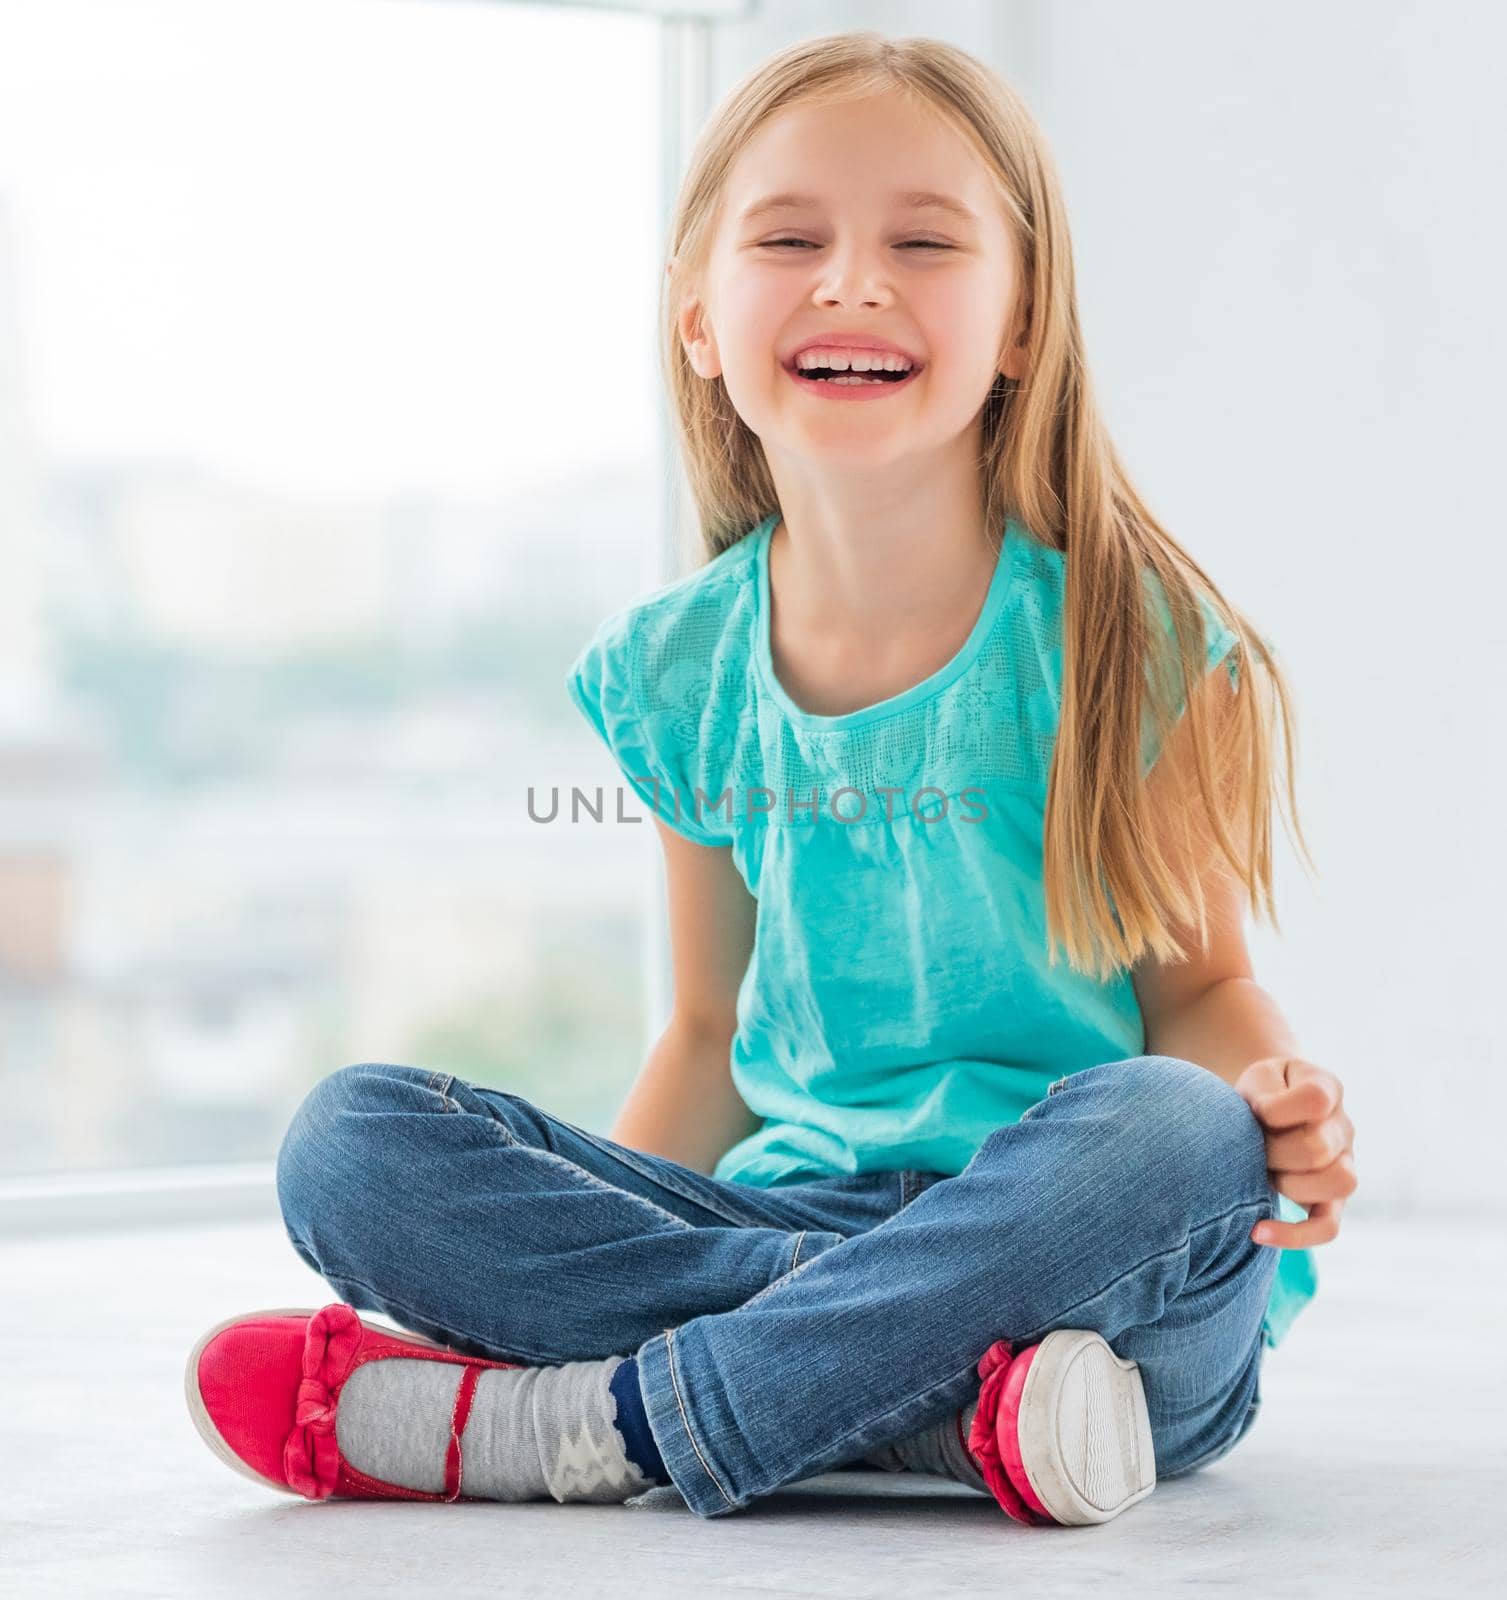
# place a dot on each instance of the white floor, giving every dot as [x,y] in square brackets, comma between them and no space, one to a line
[1376,1467]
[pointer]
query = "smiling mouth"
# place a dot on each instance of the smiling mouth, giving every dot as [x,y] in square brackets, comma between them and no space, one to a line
[845,378]
[827,375]
[850,385]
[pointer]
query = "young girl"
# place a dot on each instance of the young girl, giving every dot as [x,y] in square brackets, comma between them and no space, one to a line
[967,1131]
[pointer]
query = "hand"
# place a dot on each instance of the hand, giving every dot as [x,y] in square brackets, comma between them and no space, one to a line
[1310,1143]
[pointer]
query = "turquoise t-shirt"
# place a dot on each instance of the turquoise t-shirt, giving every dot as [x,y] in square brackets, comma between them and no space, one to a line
[898,1006]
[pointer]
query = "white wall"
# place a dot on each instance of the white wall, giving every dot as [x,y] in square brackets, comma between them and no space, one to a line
[1288,219]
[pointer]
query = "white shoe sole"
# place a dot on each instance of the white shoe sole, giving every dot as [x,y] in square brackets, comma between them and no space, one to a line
[1083,1429]
[202,1420]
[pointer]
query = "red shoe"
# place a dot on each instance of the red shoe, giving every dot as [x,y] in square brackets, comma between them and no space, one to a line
[1061,1433]
[263,1389]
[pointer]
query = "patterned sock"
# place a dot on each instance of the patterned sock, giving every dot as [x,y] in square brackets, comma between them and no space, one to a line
[533,1432]
[938,1449]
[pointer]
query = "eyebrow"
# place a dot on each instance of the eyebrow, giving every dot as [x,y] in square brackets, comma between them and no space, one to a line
[913,198]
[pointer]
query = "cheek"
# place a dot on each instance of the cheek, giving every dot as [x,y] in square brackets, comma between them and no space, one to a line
[756,313]
[963,323]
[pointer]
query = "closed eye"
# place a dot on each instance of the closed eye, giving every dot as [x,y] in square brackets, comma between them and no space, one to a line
[908,244]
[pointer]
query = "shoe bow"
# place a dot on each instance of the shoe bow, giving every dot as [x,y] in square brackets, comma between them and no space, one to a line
[311,1457]
[983,1436]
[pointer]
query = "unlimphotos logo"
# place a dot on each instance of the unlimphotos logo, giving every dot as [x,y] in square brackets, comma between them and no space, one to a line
[846,806]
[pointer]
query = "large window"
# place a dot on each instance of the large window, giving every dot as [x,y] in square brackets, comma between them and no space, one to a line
[327,433]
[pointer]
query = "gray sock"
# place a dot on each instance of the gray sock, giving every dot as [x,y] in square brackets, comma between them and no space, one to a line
[532,1433]
[935,1449]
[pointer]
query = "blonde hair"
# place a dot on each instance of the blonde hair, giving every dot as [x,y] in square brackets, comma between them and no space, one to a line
[1047,462]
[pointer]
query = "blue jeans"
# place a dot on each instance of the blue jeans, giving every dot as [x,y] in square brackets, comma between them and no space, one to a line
[789,1331]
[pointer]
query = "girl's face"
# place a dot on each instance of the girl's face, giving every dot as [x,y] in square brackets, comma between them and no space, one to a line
[858,256]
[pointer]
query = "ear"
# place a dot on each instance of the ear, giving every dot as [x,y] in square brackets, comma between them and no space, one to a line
[1013,362]
[700,344]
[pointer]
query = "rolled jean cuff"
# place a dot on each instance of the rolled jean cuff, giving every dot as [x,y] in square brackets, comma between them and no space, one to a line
[701,1481]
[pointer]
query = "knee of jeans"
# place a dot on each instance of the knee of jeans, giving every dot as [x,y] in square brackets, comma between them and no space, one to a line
[1168,1114]
[1203,1114]
[319,1147]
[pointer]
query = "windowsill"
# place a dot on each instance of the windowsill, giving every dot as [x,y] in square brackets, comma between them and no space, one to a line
[136,1197]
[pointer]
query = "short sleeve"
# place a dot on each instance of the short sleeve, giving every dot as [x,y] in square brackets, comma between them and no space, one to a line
[600,682]
[1219,646]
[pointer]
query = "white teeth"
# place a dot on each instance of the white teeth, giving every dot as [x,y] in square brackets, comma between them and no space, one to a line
[852,360]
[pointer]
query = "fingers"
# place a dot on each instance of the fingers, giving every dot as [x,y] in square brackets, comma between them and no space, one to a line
[1310,1142]
[1310,1099]
[1322,1225]
[1263,1080]
[1337,1181]
[1311,1147]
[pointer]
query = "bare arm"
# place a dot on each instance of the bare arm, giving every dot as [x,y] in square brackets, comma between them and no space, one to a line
[1231,1024]
[683,1104]
[1206,1006]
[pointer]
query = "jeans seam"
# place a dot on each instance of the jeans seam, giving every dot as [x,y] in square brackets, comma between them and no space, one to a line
[1224,1216]
[775,1283]
[795,1254]
[511,1140]
[593,1181]
[708,1202]
[685,1421]
[440,1083]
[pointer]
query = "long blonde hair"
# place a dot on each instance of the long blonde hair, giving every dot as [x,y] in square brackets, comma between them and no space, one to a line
[1048,462]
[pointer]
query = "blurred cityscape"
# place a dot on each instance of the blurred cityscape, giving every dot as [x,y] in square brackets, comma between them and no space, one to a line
[264,768]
